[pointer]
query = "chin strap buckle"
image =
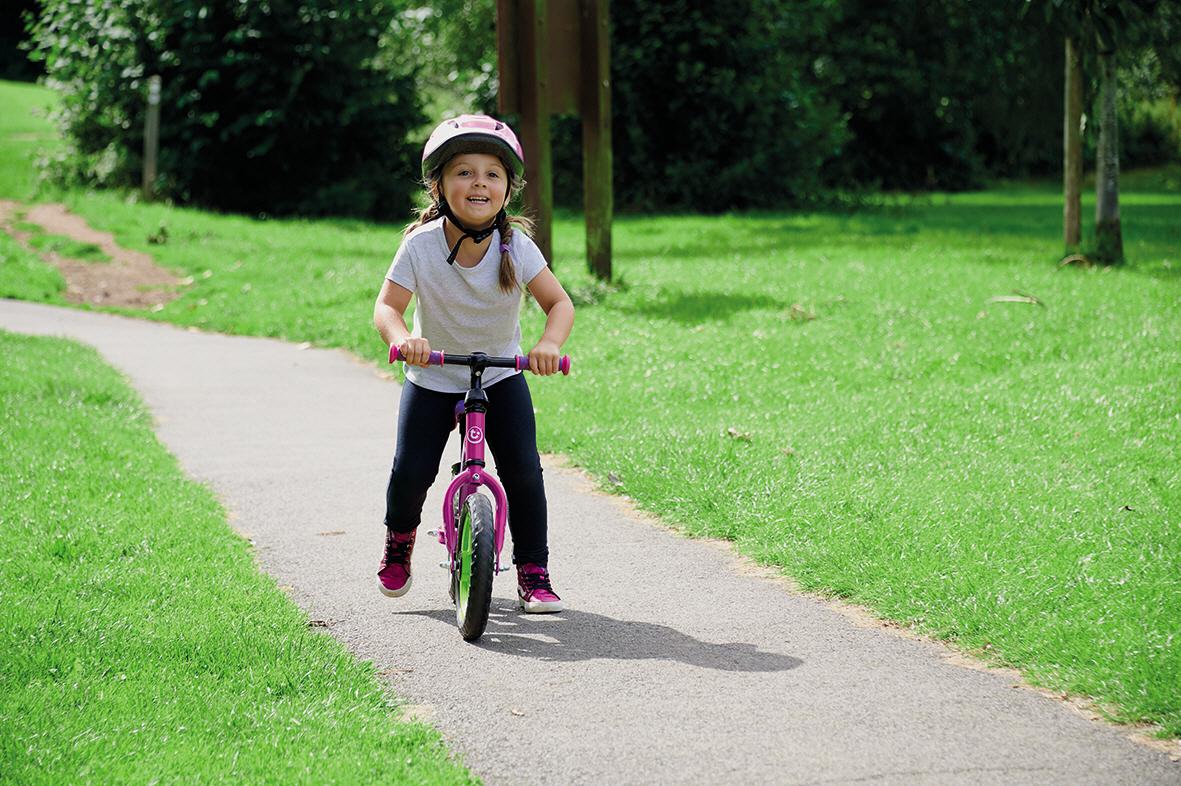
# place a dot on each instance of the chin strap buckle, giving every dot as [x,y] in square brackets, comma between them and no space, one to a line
[477,235]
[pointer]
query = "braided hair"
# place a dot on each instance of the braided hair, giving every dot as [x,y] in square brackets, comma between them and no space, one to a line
[505,222]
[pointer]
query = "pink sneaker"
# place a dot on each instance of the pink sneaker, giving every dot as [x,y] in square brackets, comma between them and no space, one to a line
[393,578]
[534,593]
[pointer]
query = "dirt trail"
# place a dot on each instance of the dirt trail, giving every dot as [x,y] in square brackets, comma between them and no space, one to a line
[131,279]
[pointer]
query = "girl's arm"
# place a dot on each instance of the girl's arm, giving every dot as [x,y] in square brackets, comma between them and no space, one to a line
[559,319]
[387,316]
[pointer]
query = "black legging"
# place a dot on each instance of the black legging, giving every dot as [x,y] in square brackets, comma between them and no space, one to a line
[425,419]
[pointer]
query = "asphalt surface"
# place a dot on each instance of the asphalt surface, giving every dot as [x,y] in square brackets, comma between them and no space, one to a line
[674,663]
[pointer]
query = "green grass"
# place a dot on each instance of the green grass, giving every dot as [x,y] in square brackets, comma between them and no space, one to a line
[25,276]
[24,133]
[840,394]
[47,243]
[59,244]
[63,246]
[139,641]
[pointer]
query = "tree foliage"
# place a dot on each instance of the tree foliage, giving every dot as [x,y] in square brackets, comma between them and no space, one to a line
[274,107]
[14,60]
[943,94]
[314,105]
[453,45]
[716,104]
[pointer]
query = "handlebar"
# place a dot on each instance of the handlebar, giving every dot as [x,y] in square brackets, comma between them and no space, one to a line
[518,362]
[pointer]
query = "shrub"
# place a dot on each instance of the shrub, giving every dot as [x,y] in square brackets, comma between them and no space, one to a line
[266,107]
[943,94]
[1150,133]
[716,104]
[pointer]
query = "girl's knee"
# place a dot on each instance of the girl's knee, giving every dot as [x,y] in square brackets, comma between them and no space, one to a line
[521,473]
[410,478]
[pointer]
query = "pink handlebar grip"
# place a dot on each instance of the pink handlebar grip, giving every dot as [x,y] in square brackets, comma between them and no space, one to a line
[435,359]
[563,364]
[521,361]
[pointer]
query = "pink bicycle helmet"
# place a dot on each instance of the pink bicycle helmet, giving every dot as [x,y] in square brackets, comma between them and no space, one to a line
[473,134]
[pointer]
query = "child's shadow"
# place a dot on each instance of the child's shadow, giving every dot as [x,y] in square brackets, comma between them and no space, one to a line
[579,635]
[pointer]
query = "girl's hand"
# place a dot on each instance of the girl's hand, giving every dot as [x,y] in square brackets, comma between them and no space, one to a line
[415,351]
[544,358]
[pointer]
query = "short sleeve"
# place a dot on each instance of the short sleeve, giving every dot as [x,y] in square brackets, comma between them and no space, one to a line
[527,257]
[402,269]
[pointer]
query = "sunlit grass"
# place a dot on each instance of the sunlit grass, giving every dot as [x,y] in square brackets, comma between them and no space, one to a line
[139,641]
[25,276]
[24,133]
[48,243]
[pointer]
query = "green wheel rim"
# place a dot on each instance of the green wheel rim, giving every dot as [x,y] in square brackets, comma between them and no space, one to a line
[465,563]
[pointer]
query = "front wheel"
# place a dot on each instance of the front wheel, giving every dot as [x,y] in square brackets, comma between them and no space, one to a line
[471,581]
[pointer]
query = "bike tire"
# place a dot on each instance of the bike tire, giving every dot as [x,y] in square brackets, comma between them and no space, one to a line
[472,578]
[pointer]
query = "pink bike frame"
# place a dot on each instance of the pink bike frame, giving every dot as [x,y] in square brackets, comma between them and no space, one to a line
[472,472]
[468,481]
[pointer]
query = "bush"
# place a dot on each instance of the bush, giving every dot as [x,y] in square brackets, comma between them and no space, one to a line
[716,105]
[1149,121]
[274,108]
[943,94]
[720,106]
[1150,133]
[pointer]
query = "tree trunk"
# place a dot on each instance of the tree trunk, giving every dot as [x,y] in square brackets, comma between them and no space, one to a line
[1109,244]
[1072,148]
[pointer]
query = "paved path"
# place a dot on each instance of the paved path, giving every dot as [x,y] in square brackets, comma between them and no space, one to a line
[673,664]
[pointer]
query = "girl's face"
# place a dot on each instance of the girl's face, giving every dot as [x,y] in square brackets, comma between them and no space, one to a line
[475,186]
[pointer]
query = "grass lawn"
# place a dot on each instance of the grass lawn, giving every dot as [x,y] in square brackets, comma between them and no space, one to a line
[140,643]
[24,131]
[24,276]
[842,395]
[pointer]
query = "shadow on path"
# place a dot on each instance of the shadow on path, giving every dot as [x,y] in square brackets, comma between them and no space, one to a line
[580,635]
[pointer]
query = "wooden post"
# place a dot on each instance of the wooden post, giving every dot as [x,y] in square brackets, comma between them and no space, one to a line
[598,201]
[553,57]
[151,138]
[535,116]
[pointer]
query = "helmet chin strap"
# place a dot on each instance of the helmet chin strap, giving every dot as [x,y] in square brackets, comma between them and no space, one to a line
[477,235]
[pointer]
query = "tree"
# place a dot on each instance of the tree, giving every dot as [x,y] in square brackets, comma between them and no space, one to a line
[717,104]
[453,44]
[1104,25]
[1072,146]
[266,108]
[940,94]
[1109,243]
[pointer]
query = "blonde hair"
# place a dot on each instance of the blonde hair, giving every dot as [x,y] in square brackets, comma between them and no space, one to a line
[505,222]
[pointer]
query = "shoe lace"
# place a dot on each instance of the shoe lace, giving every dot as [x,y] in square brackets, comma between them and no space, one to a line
[536,580]
[397,551]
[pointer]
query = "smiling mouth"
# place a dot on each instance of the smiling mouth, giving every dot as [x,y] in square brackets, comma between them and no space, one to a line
[479,200]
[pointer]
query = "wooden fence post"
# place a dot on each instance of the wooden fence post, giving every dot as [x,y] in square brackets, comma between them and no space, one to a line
[535,116]
[597,193]
[553,57]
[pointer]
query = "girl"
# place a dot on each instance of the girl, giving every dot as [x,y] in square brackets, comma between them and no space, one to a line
[466,264]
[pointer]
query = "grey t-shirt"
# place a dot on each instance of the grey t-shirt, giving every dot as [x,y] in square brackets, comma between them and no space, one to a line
[462,309]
